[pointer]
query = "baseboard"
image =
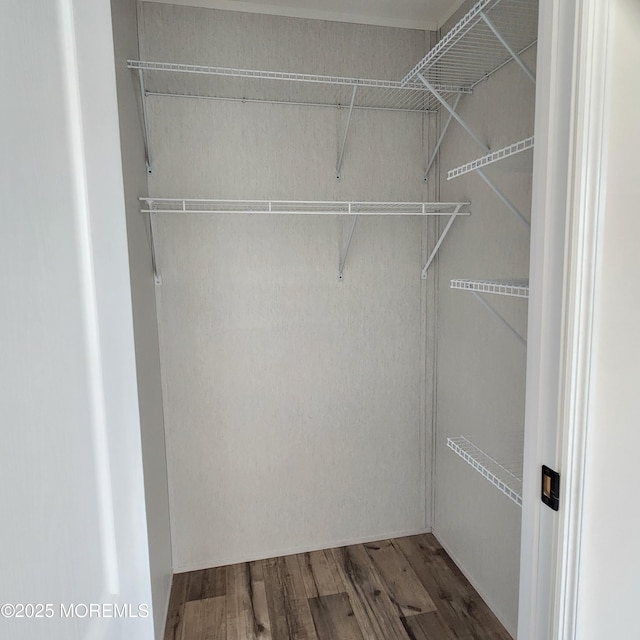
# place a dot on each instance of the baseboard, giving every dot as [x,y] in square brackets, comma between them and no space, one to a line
[496,612]
[288,551]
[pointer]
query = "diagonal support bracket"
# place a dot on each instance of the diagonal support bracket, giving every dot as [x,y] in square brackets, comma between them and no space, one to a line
[434,154]
[145,121]
[346,134]
[343,257]
[512,207]
[443,235]
[499,317]
[452,111]
[507,46]
[154,260]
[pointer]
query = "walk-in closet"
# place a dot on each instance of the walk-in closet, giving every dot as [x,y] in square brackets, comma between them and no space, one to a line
[318,319]
[331,227]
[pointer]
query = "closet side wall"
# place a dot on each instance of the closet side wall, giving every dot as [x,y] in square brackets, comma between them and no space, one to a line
[294,402]
[144,311]
[481,364]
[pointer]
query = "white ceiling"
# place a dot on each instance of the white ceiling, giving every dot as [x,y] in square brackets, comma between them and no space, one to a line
[413,14]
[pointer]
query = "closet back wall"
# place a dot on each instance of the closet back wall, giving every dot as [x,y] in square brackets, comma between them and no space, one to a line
[294,403]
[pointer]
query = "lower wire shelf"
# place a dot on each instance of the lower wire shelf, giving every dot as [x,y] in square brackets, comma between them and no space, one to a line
[505,480]
[512,288]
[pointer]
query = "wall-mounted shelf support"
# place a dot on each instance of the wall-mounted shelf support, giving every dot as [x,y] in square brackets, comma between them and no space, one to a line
[145,121]
[505,480]
[343,257]
[434,153]
[346,134]
[512,207]
[501,154]
[443,235]
[478,287]
[451,110]
[506,45]
[468,129]
[499,317]
[157,278]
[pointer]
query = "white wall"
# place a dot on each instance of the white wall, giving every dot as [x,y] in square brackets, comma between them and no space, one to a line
[609,565]
[410,14]
[294,404]
[481,365]
[72,499]
[124,16]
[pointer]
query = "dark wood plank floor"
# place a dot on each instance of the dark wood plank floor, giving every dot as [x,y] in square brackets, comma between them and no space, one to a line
[401,589]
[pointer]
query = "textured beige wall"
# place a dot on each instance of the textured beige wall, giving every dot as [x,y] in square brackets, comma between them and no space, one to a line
[481,365]
[294,404]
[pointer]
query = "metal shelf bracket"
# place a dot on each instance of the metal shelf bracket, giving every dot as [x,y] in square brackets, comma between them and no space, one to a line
[343,256]
[512,207]
[443,235]
[451,110]
[499,317]
[157,278]
[434,154]
[346,134]
[506,45]
[145,121]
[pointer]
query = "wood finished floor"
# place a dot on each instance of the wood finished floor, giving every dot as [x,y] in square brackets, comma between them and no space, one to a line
[401,589]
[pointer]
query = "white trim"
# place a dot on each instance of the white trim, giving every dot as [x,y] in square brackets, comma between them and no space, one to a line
[584,212]
[289,551]
[549,196]
[569,126]
[309,13]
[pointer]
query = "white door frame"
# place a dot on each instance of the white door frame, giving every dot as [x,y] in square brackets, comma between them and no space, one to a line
[570,118]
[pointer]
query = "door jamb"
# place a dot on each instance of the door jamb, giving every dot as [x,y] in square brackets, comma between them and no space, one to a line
[570,122]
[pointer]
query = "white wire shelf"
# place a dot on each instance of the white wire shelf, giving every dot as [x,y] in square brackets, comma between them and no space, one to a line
[506,480]
[250,85]
[300,207]
[471,52]
[490,158]
[515,289]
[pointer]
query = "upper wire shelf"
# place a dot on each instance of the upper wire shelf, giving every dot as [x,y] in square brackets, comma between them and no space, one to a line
[302,207]
[506,479]
[249,85]
[490,158]
[515,289]
[471,51]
